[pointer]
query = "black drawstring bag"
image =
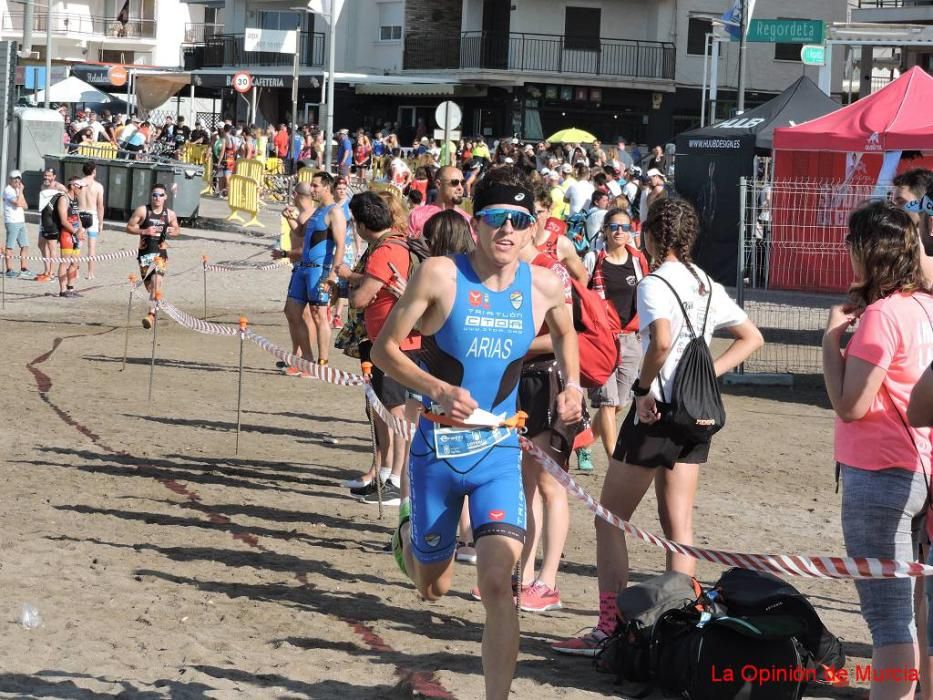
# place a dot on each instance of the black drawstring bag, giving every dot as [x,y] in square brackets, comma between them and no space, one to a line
[696,411]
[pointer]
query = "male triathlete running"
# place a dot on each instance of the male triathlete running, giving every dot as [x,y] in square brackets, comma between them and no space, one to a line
[478,314]
[153,223]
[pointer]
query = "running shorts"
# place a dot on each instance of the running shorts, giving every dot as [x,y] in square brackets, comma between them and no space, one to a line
[492,480]
[71,246]
[305,286]
[152,264]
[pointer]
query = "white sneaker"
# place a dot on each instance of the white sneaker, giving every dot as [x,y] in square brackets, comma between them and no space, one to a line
[357,483]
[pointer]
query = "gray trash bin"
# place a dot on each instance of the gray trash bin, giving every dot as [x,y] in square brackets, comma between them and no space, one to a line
[118,190]
[184,182]
[143,178]
[72,167]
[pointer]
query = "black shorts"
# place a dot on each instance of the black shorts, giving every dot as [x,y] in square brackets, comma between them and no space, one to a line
[389,391]
[50,235]
[653,446]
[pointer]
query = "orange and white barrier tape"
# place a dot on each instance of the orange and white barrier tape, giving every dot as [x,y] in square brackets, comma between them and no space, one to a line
[104,257]
[786,564]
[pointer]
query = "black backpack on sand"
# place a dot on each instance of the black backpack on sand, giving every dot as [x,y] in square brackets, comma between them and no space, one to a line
[696,410]
[754,594]
[701,657]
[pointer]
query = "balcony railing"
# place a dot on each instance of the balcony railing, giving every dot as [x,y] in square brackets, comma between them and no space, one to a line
[545,53]
[198,33]
[227,50]
[84,25]
[869,4]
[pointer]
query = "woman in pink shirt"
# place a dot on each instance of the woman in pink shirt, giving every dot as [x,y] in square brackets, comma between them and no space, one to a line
[884,463]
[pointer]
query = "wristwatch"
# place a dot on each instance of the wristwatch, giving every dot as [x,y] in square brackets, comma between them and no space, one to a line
[638,391]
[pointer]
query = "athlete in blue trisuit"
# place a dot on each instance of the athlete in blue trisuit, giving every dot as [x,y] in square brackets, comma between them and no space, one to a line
[478,315]
[314,277]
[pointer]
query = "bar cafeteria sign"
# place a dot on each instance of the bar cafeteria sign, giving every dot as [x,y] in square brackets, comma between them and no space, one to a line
[270,40]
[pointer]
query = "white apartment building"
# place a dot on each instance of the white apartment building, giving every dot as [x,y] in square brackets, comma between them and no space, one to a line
[617,67]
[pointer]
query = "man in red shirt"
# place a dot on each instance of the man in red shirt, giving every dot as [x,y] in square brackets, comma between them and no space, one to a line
[449,182]
[280,141]
[388,260]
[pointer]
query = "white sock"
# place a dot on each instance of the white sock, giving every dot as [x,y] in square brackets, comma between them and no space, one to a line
[395,480]
[384,474]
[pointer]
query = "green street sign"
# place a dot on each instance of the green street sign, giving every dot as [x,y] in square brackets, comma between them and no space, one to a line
[812,55]
[786,31]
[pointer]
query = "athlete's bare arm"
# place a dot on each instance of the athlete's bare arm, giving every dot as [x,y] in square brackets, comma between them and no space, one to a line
[174,228]
[549,295]
[99,203]
[567,255]
[427,301]
[133,225]
[338,226]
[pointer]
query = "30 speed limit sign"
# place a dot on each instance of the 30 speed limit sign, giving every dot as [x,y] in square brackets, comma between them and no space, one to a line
[242,81]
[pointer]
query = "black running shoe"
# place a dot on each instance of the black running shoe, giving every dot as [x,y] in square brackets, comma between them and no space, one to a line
[391,495]
[365,490]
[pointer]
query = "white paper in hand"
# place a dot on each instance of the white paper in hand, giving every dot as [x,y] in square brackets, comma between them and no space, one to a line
[484,419]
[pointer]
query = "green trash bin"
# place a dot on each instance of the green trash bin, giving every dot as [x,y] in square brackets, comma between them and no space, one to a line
[143,178]
[184,183]
[118,189]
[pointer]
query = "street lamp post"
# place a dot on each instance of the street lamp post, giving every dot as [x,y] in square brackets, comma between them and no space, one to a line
[331,59]
[48,53]
[743,46]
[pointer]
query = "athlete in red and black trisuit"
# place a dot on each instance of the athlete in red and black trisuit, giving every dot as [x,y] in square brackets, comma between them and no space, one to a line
[153,223]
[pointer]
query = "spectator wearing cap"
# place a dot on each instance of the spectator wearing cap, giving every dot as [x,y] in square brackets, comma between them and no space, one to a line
[566,171]
[199,136]
[655,189]
[14,220]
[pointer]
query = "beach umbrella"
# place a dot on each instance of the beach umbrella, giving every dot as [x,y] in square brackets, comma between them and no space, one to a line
[73,90]
[571,135]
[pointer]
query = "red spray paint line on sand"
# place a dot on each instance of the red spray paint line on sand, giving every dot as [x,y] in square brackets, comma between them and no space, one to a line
[421,682]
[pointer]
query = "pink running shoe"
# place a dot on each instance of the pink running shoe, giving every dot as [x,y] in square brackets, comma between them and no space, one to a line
[587,645]
[539,597]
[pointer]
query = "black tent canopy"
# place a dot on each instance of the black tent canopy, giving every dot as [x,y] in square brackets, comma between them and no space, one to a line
[711,160]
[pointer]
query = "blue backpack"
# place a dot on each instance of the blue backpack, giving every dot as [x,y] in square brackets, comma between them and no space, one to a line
[576,232]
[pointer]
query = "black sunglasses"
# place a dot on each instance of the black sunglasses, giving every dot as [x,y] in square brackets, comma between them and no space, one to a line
[453,183]
[157,194]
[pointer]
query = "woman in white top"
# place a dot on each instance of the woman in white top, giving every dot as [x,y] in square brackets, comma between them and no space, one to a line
[646,451]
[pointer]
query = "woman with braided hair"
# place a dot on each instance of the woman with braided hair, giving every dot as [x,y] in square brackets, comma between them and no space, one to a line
[647,450]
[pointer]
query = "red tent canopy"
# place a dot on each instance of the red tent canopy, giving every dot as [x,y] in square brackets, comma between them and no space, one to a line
[898,117]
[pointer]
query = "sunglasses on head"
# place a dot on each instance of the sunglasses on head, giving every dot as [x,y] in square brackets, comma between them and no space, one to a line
[920,206]
[619,227]
[496,218]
